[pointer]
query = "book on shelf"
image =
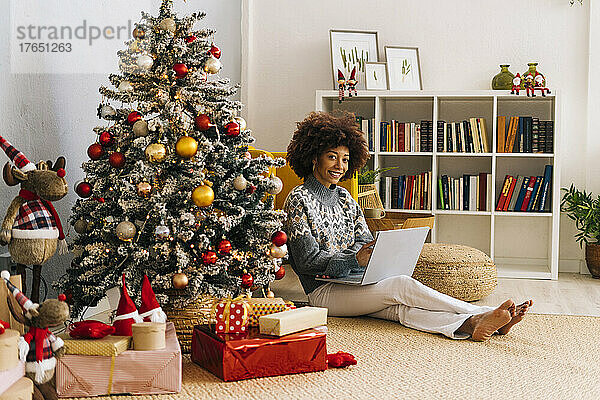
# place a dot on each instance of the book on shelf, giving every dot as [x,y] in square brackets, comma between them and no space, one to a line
[524,134]
[470,192]
[366,126]
[396,136]
[410,192]
[468,136]
[526,193]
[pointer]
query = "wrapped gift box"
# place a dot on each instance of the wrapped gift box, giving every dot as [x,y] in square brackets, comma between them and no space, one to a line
[20,390]
[10,376]
[231,315]
[107,346]
[233,357]
[134,372]
[264,306]
[286,322]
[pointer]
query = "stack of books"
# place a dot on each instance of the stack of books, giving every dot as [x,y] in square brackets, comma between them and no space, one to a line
[398,136]
[463,136]
[525,135]
[409,192]
[526,193]
[367,127]
[467,193]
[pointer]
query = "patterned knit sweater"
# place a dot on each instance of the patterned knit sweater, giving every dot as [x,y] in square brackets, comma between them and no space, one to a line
[325,228]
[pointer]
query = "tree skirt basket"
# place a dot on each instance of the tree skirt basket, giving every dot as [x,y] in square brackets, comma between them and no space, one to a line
[185,318]
[368,197]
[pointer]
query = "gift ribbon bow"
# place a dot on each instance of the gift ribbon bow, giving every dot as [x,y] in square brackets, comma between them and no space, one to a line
[227,308]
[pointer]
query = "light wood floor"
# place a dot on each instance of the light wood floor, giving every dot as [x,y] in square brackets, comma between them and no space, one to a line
[571,294]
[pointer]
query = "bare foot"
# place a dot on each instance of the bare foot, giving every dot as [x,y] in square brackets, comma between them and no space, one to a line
[517,315]
[481,327]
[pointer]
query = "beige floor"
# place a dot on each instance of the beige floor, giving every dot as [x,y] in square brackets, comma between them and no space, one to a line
[571,294]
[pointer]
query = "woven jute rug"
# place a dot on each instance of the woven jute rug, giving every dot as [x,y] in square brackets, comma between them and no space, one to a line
[543,357]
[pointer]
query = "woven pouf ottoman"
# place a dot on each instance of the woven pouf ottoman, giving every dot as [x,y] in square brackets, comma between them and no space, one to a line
[459,271]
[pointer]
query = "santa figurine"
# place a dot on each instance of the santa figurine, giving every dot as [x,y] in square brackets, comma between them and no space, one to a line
[341,80]
[127,314]
[150,310]
[516,84]
[529,84]
[352,83]
[539,83]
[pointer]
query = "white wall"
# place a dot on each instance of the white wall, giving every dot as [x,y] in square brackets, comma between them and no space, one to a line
[461,43]
[46,115]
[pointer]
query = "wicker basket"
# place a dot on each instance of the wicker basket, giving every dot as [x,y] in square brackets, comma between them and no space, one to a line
[368,197]
[187,317]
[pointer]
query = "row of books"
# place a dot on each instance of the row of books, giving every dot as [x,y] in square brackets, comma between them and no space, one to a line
[463,136]
[524,135]
[409,192]
[526,193]
[367,127]
[467,193]
[399,136]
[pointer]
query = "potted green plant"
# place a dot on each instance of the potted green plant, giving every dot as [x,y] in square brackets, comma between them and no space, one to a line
[368,197]
[582,208]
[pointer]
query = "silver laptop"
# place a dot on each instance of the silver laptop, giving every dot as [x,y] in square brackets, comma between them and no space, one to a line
[396,253]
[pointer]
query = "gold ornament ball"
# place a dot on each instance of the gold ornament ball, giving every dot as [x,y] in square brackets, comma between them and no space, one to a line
[139,33]
[144,189]
[156,152]
[212,65]
[140,128]
[180,280]
[203,196]
[241,122]
[81,226]
[125,86]
[168,24]
[270,294]
[278,252]
[126,231]
[186,147]
[134,46]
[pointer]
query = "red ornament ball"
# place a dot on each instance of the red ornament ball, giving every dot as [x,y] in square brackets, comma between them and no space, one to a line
[224,246]
[280,273]
[247,281]
[117,159]
[180,69]
[209,257]
[190,38]
[62,297]
[215,51]
[202,122]
[279,238]
[233,128]
[95,151]
[133,117]
[83,190]
[106,139]
[100,200]
[251,189]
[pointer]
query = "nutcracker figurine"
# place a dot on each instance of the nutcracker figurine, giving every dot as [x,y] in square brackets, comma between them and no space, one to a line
[529,84]
[352,82]
[539,83]
[516,84]
[341,80]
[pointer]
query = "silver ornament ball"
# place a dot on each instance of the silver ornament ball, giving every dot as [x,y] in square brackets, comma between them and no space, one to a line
[125,86]
[241,122]
[277,185]
[140,128]
[168,24]
[212,65]
[126,231]
[162,232]
[145,62]
[240,183]
[107,111]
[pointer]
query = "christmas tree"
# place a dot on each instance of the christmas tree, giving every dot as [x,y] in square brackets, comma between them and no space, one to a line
[171,190]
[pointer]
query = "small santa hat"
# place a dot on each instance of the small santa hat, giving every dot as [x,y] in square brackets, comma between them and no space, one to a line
[340,75]
[25,303]
[16,156]
[150,310]
[353,74]
[127,314]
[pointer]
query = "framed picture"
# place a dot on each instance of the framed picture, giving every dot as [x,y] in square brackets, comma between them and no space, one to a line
[404,69]
[351,49]
[376,76]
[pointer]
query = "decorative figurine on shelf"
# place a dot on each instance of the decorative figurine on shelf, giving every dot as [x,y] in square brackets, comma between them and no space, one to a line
[38,347]
[341,86]
[31,227]
[352,82]
[528,78]
[516,84]
[539,83]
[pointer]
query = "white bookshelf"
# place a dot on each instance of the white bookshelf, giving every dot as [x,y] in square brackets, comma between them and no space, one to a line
[522,244]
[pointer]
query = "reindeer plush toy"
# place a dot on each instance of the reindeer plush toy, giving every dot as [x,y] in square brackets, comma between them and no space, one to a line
[31,227]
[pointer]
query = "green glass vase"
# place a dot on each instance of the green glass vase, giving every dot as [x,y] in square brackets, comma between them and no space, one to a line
[503,81]
[532,70]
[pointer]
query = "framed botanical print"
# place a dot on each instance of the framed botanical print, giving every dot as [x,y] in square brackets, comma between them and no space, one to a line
[376,76]
[350,49]
[404,70]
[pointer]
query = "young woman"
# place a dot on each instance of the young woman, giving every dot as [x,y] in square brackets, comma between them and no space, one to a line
[328,236]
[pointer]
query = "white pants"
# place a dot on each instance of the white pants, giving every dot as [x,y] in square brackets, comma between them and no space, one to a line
[399,298]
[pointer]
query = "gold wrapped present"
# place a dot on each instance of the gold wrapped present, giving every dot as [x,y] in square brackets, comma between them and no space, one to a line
[265,306]
[286,322]
[107,346]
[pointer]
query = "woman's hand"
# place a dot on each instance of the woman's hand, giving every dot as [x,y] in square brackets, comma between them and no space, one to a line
[364,254]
